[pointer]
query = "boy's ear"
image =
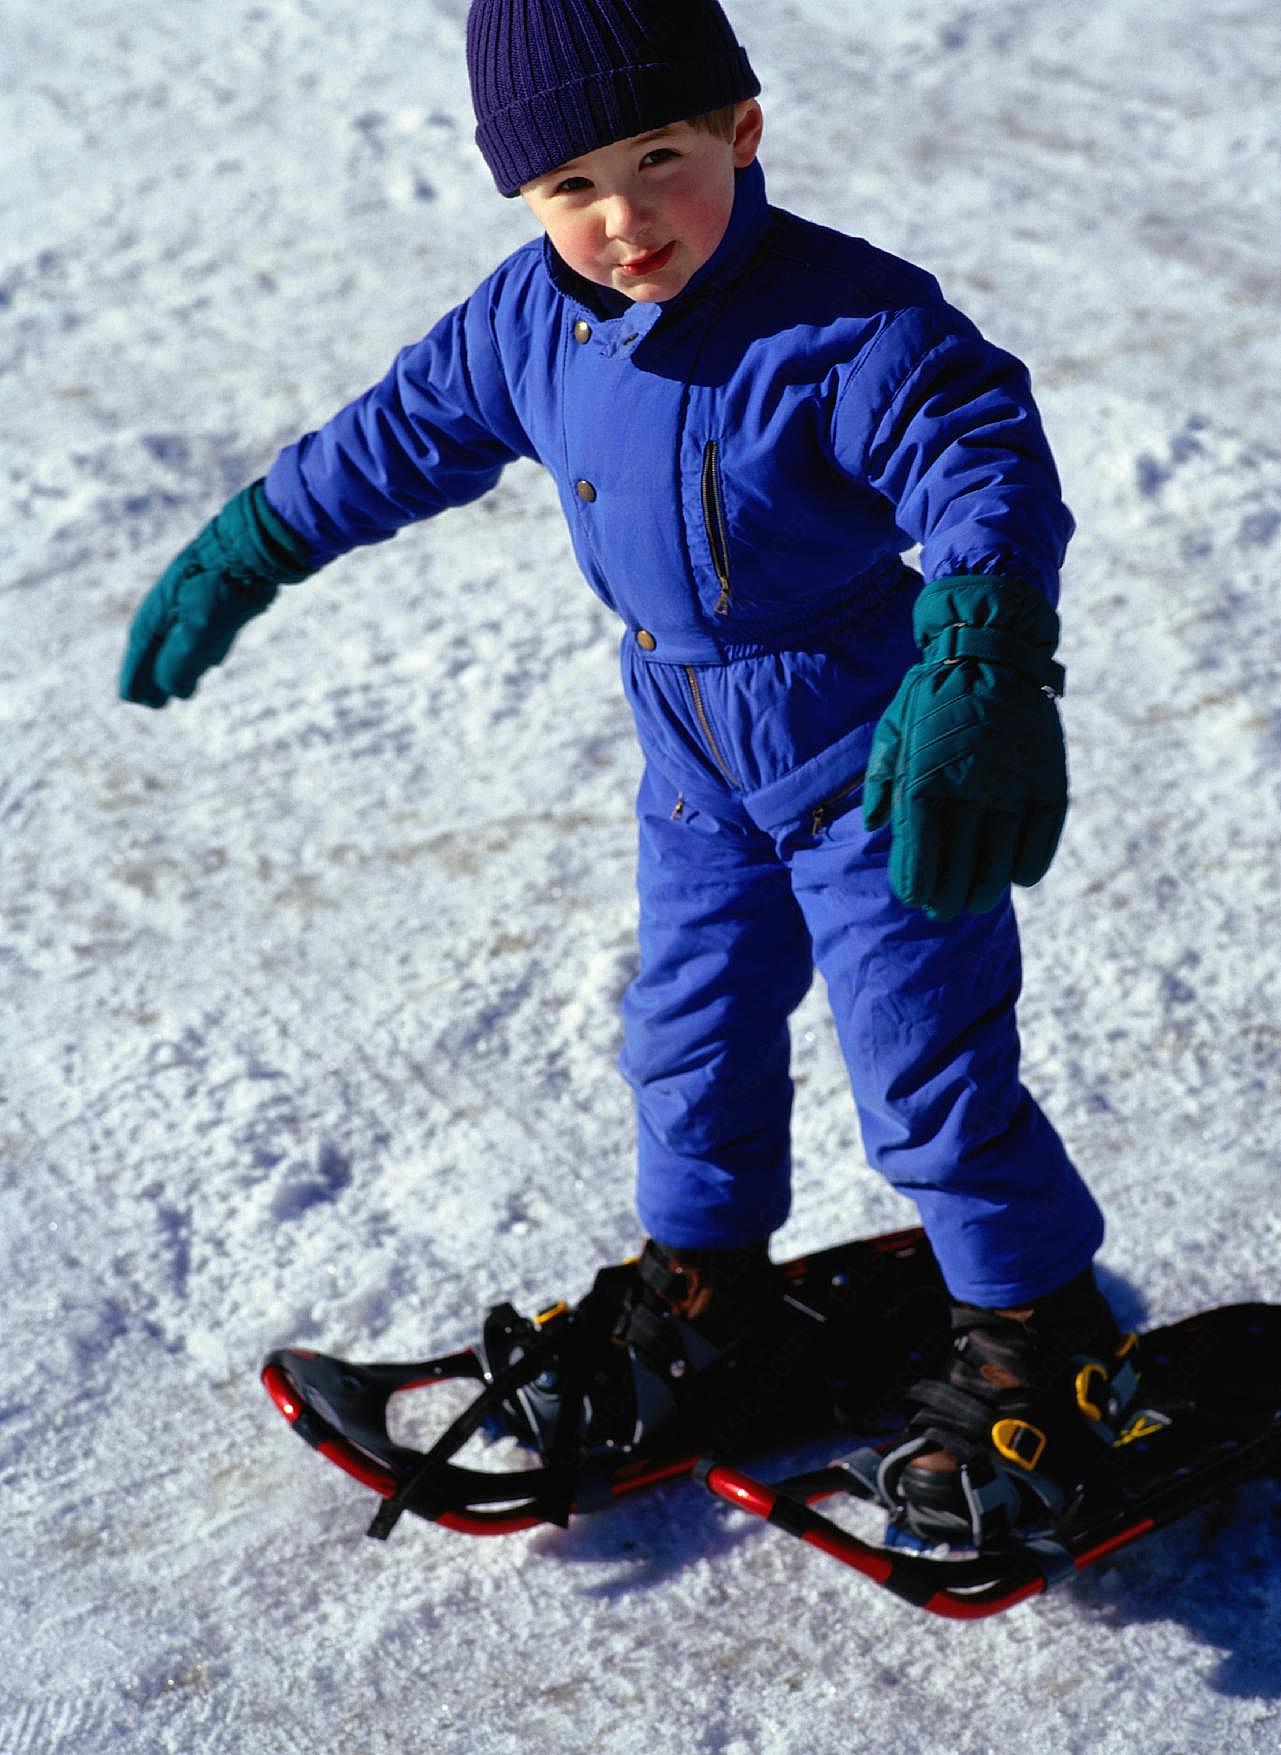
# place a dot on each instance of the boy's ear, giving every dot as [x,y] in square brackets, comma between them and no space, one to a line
[749,125]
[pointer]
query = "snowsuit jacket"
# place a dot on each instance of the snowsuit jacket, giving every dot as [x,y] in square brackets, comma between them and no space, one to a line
[741,469]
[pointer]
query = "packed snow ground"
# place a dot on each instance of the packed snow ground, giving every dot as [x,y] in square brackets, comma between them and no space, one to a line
[310,986]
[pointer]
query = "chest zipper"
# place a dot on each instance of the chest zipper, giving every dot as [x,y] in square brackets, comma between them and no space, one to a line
[709,736]
[714,520]
[835,806]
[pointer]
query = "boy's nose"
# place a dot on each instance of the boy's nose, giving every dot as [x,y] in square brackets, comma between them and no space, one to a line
[626,218]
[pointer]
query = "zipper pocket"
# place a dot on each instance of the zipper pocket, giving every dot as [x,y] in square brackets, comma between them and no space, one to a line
[709,736]
[714,522]
[836,805]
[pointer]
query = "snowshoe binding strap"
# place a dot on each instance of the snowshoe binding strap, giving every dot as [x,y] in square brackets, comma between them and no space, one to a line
[341,1410]
[422,1489]
[564,1384]
[1017,1422]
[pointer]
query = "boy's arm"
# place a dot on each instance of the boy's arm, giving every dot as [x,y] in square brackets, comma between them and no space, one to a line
[436,432]
[943,424]
[967,766]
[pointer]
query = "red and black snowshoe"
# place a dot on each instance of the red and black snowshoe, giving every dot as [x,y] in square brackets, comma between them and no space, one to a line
[621,1390]
[1205,1417]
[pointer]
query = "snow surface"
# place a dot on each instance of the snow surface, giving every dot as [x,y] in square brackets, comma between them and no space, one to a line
[310,986]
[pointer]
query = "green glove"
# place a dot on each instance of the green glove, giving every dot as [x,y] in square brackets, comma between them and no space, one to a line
[968,764]
[189,618]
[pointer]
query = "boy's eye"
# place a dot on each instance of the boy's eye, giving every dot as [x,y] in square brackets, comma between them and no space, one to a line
[575,185]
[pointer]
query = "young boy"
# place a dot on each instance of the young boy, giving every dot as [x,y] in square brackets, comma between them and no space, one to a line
[749,418]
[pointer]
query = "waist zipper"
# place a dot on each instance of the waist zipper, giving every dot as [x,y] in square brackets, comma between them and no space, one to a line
[709,736]
[714,520]
[827,811]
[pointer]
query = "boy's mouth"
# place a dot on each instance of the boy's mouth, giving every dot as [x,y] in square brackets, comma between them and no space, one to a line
[648,264]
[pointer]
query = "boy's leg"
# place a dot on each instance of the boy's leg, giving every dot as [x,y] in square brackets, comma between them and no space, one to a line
[925,1014]
[724,959]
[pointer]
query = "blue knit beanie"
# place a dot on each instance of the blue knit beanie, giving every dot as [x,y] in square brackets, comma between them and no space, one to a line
[551,79]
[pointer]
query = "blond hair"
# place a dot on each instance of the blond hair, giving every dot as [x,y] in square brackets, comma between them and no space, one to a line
[720,123]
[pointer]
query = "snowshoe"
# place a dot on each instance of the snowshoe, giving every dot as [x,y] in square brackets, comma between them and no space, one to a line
[1194,1410]
[665,1357]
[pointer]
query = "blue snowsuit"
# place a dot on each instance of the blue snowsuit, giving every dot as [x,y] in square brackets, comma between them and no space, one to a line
[742,470]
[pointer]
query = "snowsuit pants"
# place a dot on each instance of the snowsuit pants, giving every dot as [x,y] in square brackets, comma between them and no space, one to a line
[734,918]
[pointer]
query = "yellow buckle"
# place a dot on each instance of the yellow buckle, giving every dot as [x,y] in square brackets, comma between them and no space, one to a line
[1084,1400]
[1145,1424]
[1085,1387]
[1018,1441]
[551,1313]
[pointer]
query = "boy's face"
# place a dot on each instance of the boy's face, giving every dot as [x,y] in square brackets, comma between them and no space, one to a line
[643,215]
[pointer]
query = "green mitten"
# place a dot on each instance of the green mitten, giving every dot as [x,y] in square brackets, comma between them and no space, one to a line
[968,765]
[189,618]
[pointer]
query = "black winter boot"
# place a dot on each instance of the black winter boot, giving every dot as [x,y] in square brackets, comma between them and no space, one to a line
[705,1297]
[1026,1407]
[662,1351]
[694,1316]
